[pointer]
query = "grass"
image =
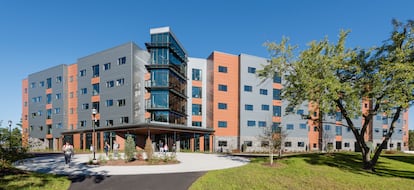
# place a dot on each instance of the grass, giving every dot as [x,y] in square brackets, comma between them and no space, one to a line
[314,171]
[12,178]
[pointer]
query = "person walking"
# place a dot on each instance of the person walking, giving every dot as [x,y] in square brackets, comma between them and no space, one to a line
[115,148]
[106,148]
[68,152]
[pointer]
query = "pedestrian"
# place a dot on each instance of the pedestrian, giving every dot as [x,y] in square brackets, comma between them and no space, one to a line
[68,152]
[165,147]
[174,148]
[161,147]
[106,148]
[115,148]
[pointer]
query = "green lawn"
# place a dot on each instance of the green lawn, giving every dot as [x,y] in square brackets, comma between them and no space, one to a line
[314,171]
[16,179]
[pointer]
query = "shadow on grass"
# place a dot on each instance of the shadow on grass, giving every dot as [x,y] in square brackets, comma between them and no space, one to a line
[352,163]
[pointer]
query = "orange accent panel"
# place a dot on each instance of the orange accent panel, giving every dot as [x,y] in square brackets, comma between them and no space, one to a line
[197,83]
[25,112]
[277,102]
[95,80]
[201,141]
[48,106]
[95,99]
[197,118]
[276,119]
[49,91]
[312,135]
[76,141]
[197,101]
[231,97]
[49,136]
[72,101]
[338,138]
[277,86]
[49,121]
[147,76]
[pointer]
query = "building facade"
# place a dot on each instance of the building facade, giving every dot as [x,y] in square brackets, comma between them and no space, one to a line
[199,104]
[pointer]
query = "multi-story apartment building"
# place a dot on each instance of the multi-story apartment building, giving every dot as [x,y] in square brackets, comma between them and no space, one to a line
[212,104]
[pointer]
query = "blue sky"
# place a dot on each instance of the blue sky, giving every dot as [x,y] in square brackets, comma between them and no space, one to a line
[35,35]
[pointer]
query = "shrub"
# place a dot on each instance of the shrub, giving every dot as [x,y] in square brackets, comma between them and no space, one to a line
[129,149]
[148,148]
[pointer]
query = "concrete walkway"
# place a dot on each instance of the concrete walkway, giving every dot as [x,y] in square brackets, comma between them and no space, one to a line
[189,162]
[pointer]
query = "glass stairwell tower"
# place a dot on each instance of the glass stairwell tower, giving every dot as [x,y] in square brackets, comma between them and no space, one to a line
[168,78]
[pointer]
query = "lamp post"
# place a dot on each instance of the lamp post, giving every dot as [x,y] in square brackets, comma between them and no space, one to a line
[94,111]
[10,135]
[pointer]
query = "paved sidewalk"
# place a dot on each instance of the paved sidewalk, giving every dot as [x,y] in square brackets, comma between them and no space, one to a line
[189,162]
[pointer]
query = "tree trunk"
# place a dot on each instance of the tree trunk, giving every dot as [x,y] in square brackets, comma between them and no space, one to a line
[271,158]
[367,162]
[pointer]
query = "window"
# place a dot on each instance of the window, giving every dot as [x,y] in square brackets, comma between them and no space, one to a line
[196,124]
[82,123]
[95,71]
[302,126]
[276,127]
[251,123]
[264,144]
[71,79]
[327,127]
[222,69]
[107,66]
[70,94]
[95,89]
[222,106]
[376,130]
[277,111]
[346,144]
[120,82]
[196,92]
[248,143]
[222,143]
[49,129]
[121,102]
[71,111]
[276,94]
[196,74]
[289,126]
[57,110]
[196,109]
[222,124]
[248,107]
[262,123]
[121,60]
[42,83]
[300,112]
[338,130]
[84,90]
[301,144]
[85,106]
[288,144]
[49,83]
[384,132]
[277,78]
[123,120]
[32,85]
[378,117]
[49,114]
[109,103]
[110,84]
[58,79]
[248,88]
[263,91]
[251,70]
[384,120]
[82,72]
[109,122]
[222,87]
[48,98]
[265,107]
[338,116]
[58,96]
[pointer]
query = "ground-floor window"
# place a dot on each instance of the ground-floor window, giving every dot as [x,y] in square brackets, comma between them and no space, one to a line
[301,144]
[346,144]
[338,145]
[248,143]
[288,144]
[222,143]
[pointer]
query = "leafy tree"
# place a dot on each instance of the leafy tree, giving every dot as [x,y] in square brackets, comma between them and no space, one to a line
[411,140]
[335,78]
[275,137]
[129,149]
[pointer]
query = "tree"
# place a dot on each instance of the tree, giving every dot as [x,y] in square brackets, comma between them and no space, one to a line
[334,78]
[275,138]
[148,148]
[129,149]
[411,140]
